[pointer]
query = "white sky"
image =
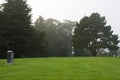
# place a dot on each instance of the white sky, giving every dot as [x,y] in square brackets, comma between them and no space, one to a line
[76,9]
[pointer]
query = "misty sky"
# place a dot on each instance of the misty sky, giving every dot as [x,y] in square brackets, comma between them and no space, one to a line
[76,9]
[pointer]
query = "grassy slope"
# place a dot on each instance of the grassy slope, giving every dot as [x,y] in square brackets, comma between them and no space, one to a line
[61,69]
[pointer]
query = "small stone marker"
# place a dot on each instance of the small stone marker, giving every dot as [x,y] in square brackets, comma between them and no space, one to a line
[10,56]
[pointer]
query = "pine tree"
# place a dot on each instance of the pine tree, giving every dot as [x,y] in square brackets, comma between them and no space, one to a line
[16,27]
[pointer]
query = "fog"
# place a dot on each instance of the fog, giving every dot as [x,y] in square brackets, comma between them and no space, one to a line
[76,9]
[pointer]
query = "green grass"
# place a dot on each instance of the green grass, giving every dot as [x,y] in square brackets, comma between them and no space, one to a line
[61,69]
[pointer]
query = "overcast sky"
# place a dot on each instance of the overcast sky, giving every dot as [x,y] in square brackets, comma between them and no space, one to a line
[76,9]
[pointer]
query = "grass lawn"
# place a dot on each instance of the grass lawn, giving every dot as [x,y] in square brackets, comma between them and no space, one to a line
[61,69]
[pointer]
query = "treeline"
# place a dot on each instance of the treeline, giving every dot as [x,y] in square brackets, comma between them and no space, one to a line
[17,32]
[58,35]
[50,37]
[45,38]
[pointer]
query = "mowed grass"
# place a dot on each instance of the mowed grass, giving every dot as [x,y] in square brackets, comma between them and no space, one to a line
[86,68]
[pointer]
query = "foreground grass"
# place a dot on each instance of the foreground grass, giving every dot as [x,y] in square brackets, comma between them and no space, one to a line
[61,69]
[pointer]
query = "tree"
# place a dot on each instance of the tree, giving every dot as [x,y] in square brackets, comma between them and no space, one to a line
[49,26]
[40,24]
[65,31]
[3,41]
[16,28]
[58,35]
[37,46]
[92,33]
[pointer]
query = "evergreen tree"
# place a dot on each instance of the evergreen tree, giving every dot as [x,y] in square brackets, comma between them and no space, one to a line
[16,27]
[92,34]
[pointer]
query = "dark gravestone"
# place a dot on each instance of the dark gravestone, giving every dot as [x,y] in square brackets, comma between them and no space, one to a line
[10,57]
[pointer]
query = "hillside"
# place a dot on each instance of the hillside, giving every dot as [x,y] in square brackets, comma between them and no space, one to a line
[61,69]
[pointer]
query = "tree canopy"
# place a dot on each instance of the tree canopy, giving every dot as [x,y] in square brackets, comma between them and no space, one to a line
[58,35]
[51,37]
[16,31]
[92,34]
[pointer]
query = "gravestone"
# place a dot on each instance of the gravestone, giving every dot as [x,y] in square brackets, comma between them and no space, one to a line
[10,57]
